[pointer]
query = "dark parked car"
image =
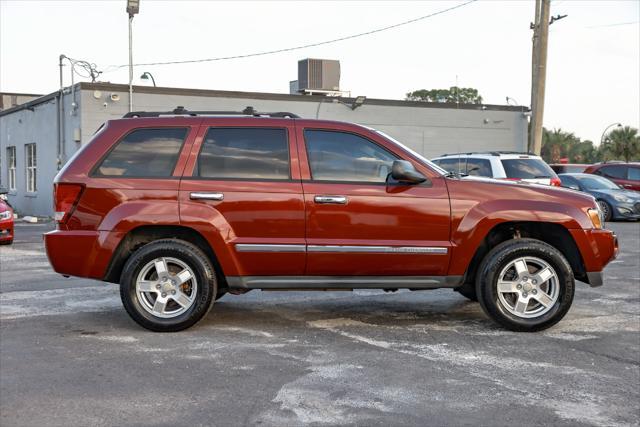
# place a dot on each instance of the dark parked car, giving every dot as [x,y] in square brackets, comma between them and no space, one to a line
[626,175]
[181,208]
[569,167]
[615,202]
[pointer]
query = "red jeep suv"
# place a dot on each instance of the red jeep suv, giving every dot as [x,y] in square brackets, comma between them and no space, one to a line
[180,208]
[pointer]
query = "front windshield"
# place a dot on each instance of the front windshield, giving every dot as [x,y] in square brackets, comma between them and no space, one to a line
[415,154]
[596,183]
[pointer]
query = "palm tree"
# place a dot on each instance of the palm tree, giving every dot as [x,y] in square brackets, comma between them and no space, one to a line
[622,142]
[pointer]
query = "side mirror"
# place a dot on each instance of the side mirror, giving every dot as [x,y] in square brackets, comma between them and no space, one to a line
[403,171]
[574,187]
[3,191]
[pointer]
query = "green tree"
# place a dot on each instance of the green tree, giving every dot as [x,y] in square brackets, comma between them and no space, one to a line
[455,94]
[558,144]
[622,143]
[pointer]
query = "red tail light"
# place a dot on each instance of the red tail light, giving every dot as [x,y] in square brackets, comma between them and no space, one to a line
[65,198]
[556,182]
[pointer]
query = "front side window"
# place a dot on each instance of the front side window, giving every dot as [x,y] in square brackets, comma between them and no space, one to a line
[144,153]
[479,167]
[244,153]
[31,167]
[11,168]
[340,156]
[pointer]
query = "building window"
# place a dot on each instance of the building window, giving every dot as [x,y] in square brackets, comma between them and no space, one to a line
[11,168]
[31,167]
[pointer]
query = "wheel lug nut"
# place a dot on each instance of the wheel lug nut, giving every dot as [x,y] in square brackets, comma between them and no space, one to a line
[157,286]
[534,292]
[534,281]
[524,294]
[164,294]
[173,292]
[525,278]
[519,286]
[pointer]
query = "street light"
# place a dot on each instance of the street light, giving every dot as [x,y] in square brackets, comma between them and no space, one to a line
[619,125]
[146,76]
[133,7]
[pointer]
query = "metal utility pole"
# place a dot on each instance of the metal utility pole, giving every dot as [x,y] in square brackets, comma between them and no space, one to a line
[539,74]
[133,7]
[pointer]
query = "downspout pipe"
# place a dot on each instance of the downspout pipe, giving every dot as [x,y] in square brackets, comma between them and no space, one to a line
[60,116]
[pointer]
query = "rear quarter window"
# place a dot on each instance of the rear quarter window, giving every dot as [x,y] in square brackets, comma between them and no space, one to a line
[527,168]
[634,173]
[144,153]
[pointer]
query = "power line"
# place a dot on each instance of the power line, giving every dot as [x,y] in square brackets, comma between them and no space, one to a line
[614,25]
[289,49]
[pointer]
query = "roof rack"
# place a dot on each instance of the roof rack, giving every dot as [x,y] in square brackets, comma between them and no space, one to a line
[491,153]
[181,111]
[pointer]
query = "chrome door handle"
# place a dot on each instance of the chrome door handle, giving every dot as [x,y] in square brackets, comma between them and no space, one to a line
[336,200]
[207,196]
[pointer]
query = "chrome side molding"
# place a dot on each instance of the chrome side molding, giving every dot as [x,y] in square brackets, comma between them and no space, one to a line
[251,247]
[246,247]
[379,249]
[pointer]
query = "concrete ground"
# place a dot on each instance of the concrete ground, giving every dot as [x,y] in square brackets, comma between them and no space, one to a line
[70,356]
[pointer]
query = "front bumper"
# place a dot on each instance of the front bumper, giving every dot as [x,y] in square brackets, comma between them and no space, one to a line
[598,248]
[626,211]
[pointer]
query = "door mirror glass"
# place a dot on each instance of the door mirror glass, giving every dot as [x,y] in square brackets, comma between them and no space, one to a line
[403,171]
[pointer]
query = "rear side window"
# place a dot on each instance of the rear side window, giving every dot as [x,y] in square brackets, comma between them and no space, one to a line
[619,172]
[479,167]
[244,153]
[527,169]
[341,156]
[144,153]
[634,173]
[450,165]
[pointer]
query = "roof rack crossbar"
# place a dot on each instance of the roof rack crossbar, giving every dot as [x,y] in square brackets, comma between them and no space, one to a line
[181,111]
[491,153]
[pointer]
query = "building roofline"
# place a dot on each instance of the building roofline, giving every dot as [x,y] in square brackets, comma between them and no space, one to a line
[263,96]
[19,94]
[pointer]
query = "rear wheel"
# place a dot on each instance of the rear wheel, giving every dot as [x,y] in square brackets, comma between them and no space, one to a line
[168,285]
[525,285]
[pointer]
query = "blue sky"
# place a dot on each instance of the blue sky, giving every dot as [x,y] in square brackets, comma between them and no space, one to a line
[593,75]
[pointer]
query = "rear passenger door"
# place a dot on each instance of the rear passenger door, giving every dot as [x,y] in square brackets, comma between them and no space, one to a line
[242,189]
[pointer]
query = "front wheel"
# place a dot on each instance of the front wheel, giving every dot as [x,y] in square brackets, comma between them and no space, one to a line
[168,285]
[525,285]
[606,210]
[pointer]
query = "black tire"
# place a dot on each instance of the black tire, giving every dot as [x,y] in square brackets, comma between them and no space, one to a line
[189,254]
[468,290]
[500,257]
[606,210]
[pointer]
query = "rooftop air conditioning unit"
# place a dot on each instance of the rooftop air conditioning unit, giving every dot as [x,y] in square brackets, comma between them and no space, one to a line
[318,74]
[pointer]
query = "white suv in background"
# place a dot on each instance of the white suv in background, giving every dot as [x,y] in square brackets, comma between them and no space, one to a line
[500,165]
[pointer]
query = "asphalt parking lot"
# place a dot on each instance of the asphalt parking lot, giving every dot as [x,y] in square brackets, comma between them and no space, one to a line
[70,356]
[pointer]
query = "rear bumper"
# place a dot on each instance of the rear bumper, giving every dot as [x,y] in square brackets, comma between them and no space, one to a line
[81,253]
[598,248]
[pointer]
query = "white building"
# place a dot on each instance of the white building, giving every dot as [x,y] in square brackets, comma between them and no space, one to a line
[38,137]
